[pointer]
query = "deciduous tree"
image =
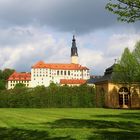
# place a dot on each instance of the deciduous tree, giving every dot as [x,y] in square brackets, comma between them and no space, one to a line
[136,54]
[127,10]
[125,70]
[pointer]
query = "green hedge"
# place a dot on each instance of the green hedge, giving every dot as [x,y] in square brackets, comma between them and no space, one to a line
[53,96]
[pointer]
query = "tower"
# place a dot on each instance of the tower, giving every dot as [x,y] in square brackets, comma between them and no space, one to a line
[74,52]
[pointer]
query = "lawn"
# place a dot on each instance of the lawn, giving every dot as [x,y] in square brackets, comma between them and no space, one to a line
[69,124]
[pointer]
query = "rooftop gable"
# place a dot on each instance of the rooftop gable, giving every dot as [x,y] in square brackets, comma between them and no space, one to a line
[59,66]
[20,77]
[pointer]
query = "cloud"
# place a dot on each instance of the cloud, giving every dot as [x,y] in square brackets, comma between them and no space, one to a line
[42,30]
[68,16]
[118,42]
[27,45]
[31,45]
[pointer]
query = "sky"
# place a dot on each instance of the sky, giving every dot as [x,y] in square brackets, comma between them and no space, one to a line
[35,30]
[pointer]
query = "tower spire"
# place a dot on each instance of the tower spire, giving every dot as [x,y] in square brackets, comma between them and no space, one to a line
[74,48]
[74,52]
[73,38]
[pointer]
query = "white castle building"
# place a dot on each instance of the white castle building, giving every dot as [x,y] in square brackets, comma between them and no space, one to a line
[45,73]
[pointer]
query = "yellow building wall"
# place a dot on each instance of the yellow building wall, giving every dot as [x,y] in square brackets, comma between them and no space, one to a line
[111,93]
[101,94]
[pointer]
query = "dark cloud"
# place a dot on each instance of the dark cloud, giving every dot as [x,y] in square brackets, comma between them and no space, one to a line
[65,15]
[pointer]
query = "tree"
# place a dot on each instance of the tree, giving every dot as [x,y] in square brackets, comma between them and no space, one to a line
[2,85]
[19,86]
[136,51]
[125,71]
[127,10]
[1,75]
[6,73]
[136,54]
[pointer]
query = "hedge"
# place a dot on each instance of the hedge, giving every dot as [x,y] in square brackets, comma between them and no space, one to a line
[48,97]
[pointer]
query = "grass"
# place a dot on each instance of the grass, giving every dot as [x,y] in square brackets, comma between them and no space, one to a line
[69,124]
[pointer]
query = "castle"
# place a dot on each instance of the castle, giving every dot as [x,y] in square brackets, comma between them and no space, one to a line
[42,73]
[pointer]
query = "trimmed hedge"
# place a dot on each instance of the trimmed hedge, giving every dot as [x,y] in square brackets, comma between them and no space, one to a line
[53,96]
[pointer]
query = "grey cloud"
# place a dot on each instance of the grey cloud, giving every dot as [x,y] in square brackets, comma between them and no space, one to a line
[15,36]
[64,15]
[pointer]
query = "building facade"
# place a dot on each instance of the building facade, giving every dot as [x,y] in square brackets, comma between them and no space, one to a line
[116,95]
[16,78]
[59,73]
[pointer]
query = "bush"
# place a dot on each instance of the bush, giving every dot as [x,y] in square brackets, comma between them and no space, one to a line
[53,96]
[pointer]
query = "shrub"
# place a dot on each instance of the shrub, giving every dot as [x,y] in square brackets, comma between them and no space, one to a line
[52,96]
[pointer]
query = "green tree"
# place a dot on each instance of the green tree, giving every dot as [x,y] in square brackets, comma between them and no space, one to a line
[2,85]
[19,86]
[1,75]
[53,85]
[127,10]
[136,54]
[125,71]
[6,73]
[136,51]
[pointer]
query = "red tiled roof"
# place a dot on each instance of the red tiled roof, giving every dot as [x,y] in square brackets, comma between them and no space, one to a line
[20,77]
[58,66]
[72,81]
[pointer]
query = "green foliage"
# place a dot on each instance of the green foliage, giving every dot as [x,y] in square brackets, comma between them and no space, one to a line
[125,70]
[19,86]
[2,85]
[136,51]
[53,85]
[4,75]
[127,10]
[136,54]
[52,96]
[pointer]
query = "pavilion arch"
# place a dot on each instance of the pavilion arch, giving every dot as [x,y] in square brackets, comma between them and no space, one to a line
[124,97]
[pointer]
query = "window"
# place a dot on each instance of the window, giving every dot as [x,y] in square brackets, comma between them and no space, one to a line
[64,72]
[68,72]
[123,96]
[120,99]
[61,72]
[126,99]
[58,72]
